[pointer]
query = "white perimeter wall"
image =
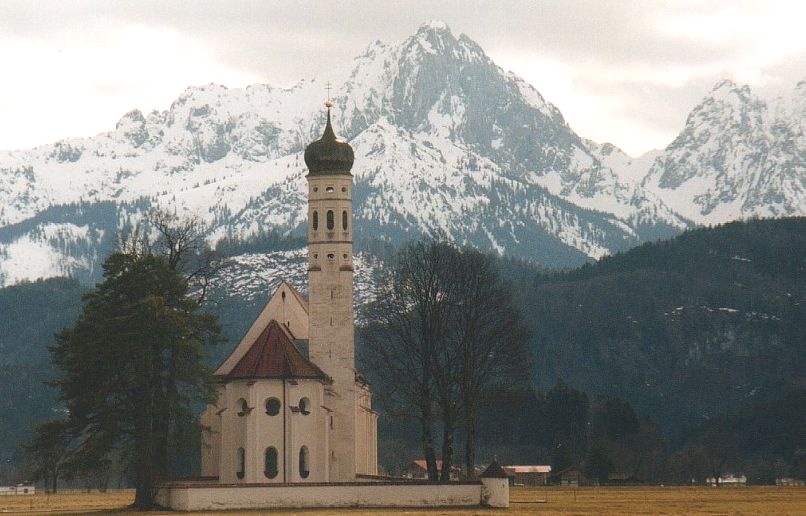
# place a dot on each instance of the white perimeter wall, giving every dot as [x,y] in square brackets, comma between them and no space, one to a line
[217,497]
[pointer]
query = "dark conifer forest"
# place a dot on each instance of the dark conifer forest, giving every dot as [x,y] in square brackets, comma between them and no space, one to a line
[652,363]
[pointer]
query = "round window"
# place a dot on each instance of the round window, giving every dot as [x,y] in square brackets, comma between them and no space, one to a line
[272,406]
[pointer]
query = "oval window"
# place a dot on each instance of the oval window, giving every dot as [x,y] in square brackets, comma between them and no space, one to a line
[305,406]
[343,188]
[344,220]
[304,466]
[270,462]
[330,219]
[315,220]
[272,406]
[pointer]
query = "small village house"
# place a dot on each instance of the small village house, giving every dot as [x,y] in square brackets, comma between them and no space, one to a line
[418,469]
[528,475]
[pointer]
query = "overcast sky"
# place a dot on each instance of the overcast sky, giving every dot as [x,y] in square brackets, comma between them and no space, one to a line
[621,71]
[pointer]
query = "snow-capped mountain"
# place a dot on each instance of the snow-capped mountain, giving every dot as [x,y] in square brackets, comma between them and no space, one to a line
[445,141]
[737,157]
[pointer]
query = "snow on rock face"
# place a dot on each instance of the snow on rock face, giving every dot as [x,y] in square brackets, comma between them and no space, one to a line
[736,158]
[444,139]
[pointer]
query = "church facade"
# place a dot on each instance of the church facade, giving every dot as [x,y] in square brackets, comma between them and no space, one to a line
[291,407]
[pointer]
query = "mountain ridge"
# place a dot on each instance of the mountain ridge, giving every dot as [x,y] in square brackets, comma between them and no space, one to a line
[445,141]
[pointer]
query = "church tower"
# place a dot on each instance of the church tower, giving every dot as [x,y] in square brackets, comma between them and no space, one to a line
[330,290]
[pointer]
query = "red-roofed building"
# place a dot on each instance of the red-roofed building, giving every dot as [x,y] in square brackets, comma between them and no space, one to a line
[419,469]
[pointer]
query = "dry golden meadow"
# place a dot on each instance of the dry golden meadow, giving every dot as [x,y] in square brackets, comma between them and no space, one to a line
[544,501]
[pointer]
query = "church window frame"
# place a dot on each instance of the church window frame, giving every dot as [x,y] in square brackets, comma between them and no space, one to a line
[304,406]
[315,220]
[344,220]
[273,406]
[304,462]
[244,407]
[271,462]
[331,220]
[240,458]
[330,189]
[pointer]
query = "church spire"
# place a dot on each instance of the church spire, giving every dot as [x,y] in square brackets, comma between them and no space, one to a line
[328,154]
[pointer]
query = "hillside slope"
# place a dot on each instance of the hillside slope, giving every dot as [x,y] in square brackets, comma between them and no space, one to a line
[685,329]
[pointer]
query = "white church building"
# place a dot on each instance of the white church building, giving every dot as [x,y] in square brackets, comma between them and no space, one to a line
[291,406]
[293,425]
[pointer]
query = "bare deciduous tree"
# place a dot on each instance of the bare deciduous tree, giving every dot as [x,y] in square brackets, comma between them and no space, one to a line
[490,342]
[444,327]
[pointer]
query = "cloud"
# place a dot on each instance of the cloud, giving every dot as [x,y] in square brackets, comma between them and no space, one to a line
[623,71]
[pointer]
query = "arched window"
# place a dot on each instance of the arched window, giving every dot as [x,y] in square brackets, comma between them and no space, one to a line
[241,458]
[270,462]
[272,406]
[330,222]
[329,189]
[304,463]
[304,406]
[344,220]
[315,220]
[243,407]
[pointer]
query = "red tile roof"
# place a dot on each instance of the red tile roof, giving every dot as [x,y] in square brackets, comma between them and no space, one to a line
[273,355]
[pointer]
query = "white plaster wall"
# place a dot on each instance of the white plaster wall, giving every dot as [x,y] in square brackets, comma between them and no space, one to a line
[211,441]
[268,429]
[495,492]
[302,496]
[330,306]
[308,430]
[366,423]
[233,431]
[257,431]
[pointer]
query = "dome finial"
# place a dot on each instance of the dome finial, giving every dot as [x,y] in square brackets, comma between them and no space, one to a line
[328,102]
[328,134]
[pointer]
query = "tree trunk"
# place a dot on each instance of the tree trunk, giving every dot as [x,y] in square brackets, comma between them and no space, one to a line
[54,480]
[470,441]
[447,446]
[427,419]
[428,441]
[144,442]
[144,475]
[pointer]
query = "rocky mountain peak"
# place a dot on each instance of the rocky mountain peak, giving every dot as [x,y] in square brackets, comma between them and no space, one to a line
[444,140]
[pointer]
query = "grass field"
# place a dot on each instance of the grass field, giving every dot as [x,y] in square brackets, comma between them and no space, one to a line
[544,501]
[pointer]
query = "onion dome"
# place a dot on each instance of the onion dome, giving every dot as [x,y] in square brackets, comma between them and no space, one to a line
[328,155]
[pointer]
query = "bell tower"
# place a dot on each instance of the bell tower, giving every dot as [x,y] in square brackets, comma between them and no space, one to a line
[330,289]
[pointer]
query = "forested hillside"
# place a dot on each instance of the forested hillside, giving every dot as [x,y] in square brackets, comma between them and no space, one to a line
[685,329]
[30,313]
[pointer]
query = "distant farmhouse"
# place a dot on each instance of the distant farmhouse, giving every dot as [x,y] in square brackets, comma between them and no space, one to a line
[20,489]
[530,476]
[728,479]
[418,469]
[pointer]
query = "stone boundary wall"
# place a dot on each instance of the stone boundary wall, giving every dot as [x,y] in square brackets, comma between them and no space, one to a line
[204,496]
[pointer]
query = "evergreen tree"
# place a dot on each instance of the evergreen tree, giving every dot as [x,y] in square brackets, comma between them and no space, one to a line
[133,361]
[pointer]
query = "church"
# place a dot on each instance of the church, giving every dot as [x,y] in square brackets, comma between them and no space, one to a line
[291,407]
